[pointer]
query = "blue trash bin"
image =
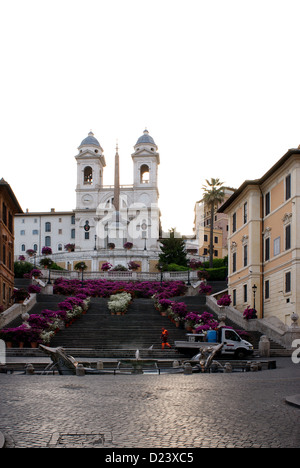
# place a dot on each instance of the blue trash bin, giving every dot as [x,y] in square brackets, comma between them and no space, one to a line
[211,336]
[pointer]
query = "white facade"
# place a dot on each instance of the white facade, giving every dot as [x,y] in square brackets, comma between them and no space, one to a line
[33,231]
[95,223]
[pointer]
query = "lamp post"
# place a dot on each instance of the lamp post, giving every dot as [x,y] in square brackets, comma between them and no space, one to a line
[188,265]
[95,248]
[254,289]
[160,267]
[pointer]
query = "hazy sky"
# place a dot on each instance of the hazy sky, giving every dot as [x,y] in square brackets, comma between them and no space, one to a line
[215,82]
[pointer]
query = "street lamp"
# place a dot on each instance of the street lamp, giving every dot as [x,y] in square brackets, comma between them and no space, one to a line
[95,248]
[254,289]
[188,265]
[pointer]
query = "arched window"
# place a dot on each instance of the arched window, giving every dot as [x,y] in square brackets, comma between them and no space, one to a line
[144,173]
[47,241]
[47,227]
[88,175]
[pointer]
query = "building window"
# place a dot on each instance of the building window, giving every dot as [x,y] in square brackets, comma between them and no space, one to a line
[267,204]
[59,247]
[245,212]
[86,235]
[234,298]
[88,175]
[234,261]
[73,219]
[144,174]
[23,247]
[288,282]
[216,240]
[267,289]
[35,247]
[216,253]
[47,241]
[72,233]
[267,249]
[234,222]
[205,238]
[288,187]
[60,231]
[288,237]
[245,255]
[22,232]
[245,290]
[47,227]
[35,232]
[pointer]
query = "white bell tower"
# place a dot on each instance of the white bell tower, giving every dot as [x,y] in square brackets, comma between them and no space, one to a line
[90,165]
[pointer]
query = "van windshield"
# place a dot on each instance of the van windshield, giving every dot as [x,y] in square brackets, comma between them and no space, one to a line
[232,335]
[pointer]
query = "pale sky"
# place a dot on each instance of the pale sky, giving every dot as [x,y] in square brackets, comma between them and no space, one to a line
[216,83]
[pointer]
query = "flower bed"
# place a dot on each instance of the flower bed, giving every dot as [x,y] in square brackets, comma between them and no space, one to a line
[40,328]
[118,303]
[105,288]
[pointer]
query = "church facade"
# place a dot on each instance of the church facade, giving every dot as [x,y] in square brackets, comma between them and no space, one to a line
[116,224]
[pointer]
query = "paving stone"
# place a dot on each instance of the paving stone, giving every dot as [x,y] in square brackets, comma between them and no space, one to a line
[202,410]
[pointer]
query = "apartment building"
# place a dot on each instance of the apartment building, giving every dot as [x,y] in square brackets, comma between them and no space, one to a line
[9,206]
[264,241]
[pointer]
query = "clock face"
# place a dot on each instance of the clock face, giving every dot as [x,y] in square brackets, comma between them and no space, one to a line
[87,199]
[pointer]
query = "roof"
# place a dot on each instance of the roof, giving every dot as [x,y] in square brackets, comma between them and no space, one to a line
[260,181]
[4,184]
[145,138]
[90,140]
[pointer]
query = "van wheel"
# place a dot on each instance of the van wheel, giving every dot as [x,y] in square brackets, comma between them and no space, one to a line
[240,354]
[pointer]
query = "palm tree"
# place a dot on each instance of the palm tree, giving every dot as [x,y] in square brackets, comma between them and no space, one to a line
[213,195]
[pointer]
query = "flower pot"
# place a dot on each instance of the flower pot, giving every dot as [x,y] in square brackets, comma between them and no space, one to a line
[34,344]
[9,344]
[21,344]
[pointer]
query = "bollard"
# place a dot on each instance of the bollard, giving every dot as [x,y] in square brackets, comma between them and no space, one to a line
[264,346]
[175,364]
[188,370]
[29,369]
[254,367]
[80,370]
[99,365]
[228,367]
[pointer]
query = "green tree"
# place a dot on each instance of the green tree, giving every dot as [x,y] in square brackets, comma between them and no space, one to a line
[173,250]
[213,195]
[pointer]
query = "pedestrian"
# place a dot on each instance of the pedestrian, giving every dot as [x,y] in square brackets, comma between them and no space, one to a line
[164,338]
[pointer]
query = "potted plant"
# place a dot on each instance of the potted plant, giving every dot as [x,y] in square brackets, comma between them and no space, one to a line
[205,289]
[133,265]
[224,301]
[106,266]
[20,295]
[30,252]
[70,247]
[111,245]
[46,251]
[128,245]
[80,266]
[34,289]
[46,262]
[249,313]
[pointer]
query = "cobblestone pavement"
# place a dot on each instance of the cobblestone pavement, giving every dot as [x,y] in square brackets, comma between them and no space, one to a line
[155,411]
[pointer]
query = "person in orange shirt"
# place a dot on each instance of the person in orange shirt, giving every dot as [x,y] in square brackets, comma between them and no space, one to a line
[164,338]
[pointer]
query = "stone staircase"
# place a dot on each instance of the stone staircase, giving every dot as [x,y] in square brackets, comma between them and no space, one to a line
[99,334]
